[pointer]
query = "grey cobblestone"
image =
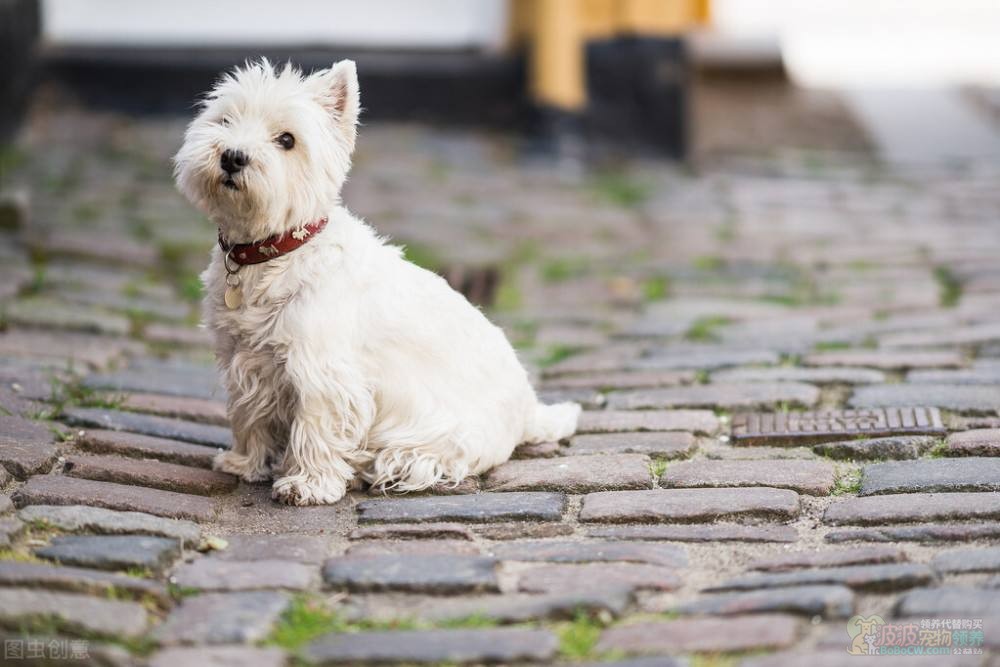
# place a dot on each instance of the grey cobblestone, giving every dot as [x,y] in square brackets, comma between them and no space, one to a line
[823,601]
[80,613]
[434,646]
[942,475]
[730,357]
[902,508]
[689,505]
[112,552]
[74,518]
[572,474]
[223,618]
[436,573]
[536,506]
[59,490]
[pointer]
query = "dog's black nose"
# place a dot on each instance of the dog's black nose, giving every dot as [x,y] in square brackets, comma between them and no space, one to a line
[233,161]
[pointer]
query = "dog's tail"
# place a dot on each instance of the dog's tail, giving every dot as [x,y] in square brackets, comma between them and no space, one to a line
[552,422]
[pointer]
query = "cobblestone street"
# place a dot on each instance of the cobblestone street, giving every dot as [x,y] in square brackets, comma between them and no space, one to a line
[790,366]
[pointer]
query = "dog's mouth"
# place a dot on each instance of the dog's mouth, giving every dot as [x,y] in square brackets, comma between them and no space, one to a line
[229,183]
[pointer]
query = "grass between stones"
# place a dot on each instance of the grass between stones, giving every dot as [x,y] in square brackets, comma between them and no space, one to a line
[70,392]
[831,346]
[181,592]
[561,269]
[949,286]
[658,467]
[578,638]
[20,556]
[620,189]
[716,659]
[656,288]
[938,450]
[307,618]
[557,353]
[705,329]
[848,481]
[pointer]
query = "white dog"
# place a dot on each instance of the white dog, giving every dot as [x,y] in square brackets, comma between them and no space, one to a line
[340,357]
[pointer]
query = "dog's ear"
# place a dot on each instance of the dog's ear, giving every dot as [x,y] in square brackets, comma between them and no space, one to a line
[339,93]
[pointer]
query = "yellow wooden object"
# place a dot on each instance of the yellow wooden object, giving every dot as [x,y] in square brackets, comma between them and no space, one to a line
[556,73]
[556,32]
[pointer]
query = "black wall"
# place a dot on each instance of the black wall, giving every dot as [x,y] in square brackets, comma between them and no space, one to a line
[20,27]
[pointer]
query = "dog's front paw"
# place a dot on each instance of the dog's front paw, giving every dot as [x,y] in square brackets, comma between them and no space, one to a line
[306,490]
[242,466]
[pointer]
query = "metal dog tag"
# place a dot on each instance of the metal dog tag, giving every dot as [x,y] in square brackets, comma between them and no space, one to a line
[234,297]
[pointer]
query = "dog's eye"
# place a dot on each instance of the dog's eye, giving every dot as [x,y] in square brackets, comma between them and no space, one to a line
[224,121]
[286,141]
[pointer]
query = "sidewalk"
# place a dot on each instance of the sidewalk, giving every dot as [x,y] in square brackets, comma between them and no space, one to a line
[791,369]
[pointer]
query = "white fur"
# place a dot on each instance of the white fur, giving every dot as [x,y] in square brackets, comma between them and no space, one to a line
[344,359]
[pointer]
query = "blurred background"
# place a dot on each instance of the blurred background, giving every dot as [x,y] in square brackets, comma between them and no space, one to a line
[679,211]
[543,155]
[656,76]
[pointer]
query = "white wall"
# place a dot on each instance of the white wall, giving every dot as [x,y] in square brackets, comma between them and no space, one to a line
[374,23]
[878,43]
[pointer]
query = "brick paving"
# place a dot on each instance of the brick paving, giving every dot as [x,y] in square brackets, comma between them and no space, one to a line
[791,369]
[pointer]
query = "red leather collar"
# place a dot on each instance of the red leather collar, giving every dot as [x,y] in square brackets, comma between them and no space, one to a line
[271,247]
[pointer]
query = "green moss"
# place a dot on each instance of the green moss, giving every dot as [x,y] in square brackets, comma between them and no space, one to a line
[713,660]
[423,256]
[557,353]
[190,288]
[508,296]
[938,450]
[831,345]
[620,189]
[473,621]
[139,572]
[308,618]
[577,639]
[71,392]
[949,286]
[658,467]
[709,263]
[180,592]
[704,329]
[37,283]
[848,482]
[656,288]
[561,269]
[19,556]
[303,621]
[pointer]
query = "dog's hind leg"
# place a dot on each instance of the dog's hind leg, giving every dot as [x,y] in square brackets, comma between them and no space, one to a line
[411,458]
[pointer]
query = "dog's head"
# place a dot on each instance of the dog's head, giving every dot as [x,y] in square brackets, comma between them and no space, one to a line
[270,148]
